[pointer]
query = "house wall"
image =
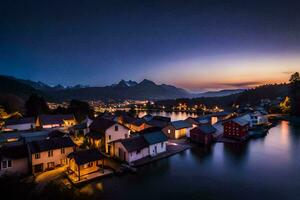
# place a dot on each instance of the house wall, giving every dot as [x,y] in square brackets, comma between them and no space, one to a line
[169,131]
[121,133]
[201,138]
[58,158]
[21,127]
[120,151]
[234,130]
[160,148]
[84,169]
[19,166]
[139,128]
[188,131]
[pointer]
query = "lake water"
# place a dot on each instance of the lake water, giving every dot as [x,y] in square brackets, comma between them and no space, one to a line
[264,168]
[173,115]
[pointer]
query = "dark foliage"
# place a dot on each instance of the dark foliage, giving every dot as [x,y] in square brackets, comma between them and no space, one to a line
[36,105]
[295,94]
[80,109]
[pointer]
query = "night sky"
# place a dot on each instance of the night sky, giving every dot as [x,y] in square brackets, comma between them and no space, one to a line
[197,45]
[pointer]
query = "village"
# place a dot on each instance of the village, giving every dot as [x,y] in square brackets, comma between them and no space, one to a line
[50,146]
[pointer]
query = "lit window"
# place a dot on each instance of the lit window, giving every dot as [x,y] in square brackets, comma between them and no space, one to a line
[37,156]
[50,153]
[169,131]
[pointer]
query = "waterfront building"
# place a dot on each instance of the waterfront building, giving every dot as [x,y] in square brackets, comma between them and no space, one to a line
[84,163]
[104,131]
[177,129]
[49,153]
[236,128]
[203,134]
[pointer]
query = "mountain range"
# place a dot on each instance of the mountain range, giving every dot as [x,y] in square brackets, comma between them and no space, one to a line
[145,89]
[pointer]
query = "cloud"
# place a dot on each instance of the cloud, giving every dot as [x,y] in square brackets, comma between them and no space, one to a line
[287,72]
[244,84]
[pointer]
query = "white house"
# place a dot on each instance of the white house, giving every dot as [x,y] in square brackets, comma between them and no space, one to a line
[258,118]
[14,159]
[104,131]
[130,149]
[49,153]
[21,124]
[136,148]
[157,142]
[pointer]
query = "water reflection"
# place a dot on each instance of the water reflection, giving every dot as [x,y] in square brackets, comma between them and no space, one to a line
[173,115]
[265,168]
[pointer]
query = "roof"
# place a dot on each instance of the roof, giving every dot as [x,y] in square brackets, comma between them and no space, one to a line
[80,126]
[26,120]
[13,151]
[157,123]
[101,124]
[162,118]
[149,130]
[240,121]
[94,135]
[180,124]
[85,156]
[50,144]
[56,133]
[138,122]
[206,129]
[203,119]
[134,143]
[54,119]
[155,137]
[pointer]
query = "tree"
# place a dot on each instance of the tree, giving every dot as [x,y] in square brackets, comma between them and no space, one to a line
[80,109]
[295,94]
[36,105]
[285,106]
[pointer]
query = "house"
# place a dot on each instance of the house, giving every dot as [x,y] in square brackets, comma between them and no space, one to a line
[49,153]
[14,159]
[202,120]
[54,121]
[80,129]
[177,129]
[85,162]
[147,117]
[103,131]
[203,134]
[141,146]
[130,149]
[21,124]
[236,128]
[258,118]
[57,133]
[138,125]
[157,142]
[219,116]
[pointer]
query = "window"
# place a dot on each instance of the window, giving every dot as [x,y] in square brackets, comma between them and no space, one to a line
[50,165]
[9,164]
[126,135]
[109,137]
[37,156]
[116,128]
[63,151]
[138,151]
[162,145]
[90,164]
[169,131]
[4,164]
[50,153]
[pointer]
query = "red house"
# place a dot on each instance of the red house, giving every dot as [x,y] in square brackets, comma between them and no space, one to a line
[202,134]
[236,128]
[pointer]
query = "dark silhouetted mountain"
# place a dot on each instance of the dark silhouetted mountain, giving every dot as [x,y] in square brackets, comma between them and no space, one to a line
[219,93]
[11,85]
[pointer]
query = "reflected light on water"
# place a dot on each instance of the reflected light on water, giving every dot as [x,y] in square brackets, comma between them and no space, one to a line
[173,115]
[284,135]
